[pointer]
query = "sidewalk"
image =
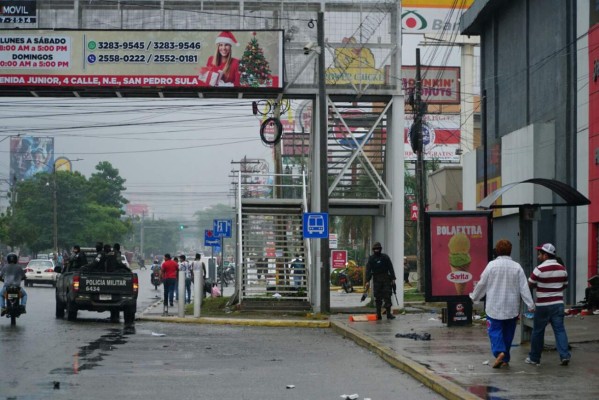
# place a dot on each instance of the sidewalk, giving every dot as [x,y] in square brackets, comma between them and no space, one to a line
[457,361]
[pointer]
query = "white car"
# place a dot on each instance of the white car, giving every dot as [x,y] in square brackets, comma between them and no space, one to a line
[40,271]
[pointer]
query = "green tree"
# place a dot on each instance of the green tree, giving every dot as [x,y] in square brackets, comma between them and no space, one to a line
[106,186]
[80,218]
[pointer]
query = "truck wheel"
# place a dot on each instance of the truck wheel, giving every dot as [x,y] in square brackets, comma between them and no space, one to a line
[59,308]
[71,311]
[129,314]
[114,315]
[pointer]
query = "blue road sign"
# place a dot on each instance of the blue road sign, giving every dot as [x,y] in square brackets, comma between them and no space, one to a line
[316,225]
[209,239]
[222,228]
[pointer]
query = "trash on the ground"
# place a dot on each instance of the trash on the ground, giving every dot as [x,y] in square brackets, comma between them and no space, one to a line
[362,318]
[158,334]
[290,386]
[277,296]
[415,336]
[350,396]
[486,362]
[56,385]
[433,319]
[476,317]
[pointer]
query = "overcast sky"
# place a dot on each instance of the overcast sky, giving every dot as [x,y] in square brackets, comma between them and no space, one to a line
[175,154]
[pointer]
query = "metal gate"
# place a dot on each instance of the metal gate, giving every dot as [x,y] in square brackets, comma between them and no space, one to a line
[273,255]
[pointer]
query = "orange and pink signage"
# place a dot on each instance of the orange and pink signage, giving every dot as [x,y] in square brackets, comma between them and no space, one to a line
[458,248]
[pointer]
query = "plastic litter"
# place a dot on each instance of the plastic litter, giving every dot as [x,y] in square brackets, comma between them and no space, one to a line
[415,336]
[350,396]
[290,386]
[158,334]
[486,362]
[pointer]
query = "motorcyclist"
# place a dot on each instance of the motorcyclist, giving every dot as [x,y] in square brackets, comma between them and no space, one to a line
[12,274]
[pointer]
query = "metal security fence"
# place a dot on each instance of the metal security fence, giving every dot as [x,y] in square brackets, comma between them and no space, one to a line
[273,255]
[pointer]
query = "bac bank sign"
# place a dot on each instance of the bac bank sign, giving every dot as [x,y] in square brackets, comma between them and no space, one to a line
[141,59]
[18,12]
[432,16]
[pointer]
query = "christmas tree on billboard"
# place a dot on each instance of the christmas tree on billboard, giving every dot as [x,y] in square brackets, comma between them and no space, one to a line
[253,67]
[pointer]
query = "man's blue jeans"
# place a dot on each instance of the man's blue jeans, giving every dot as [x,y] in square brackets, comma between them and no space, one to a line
[187,290]
[554,315]
[169,290]
[3,300]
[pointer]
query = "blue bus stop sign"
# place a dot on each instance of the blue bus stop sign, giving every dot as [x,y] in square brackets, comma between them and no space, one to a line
[316,225]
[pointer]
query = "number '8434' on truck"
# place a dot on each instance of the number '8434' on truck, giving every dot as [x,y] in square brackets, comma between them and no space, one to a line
[102,284]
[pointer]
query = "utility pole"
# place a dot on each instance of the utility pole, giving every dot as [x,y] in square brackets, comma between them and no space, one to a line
[418,147]
[325,275]
[142,234]
[55,213]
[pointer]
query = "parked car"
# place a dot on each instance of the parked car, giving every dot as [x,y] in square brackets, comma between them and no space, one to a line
[40,271]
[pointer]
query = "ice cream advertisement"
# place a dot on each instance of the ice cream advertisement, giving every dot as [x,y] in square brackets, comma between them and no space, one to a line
[459,244]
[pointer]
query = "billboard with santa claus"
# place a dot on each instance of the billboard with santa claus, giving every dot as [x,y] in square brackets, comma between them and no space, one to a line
[220,60]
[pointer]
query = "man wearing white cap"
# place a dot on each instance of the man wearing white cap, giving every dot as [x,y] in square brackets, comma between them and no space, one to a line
[550,278]
[223,63]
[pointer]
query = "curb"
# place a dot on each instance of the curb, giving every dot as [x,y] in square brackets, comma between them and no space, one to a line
[277,323]
[443,386]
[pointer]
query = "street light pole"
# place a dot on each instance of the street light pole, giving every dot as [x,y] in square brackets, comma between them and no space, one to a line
[55,216]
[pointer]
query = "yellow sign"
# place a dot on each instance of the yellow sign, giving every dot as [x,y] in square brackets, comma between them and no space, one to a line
[62,164]
[354,65]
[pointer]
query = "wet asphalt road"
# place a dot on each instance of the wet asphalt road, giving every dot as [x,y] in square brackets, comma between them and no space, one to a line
[95,359]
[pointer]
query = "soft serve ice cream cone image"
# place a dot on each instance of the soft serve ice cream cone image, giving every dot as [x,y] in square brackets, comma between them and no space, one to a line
[459,261]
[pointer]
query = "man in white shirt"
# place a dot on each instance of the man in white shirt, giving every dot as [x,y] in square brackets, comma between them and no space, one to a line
[504,283]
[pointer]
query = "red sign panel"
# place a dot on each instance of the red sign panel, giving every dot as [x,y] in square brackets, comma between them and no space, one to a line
[458,249]
[338,258]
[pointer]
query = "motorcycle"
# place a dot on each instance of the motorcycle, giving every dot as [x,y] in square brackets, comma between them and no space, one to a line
[226,276]
[155,278]
[345,282]
[12,296]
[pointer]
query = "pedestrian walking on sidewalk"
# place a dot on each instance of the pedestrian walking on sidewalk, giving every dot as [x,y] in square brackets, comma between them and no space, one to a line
[380,269]
[504,283]
[550,278]
[168,275]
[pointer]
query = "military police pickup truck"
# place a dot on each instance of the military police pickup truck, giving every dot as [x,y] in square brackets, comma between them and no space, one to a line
[96,289]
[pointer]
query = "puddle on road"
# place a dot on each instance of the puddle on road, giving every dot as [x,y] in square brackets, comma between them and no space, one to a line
[486,392]
[91,355]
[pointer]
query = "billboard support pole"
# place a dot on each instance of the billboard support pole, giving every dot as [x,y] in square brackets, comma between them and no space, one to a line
[325,272]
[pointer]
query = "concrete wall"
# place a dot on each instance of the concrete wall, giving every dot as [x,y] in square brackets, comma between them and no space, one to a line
[444,189]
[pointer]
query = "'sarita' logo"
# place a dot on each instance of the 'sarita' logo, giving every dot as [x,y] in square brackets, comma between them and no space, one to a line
[413,21]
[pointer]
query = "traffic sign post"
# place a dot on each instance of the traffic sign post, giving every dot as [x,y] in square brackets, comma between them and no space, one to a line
[338,258]
[316,225]
[209,239]
[222,228]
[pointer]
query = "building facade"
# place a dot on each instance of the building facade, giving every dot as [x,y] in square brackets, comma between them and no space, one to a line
[536,87]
